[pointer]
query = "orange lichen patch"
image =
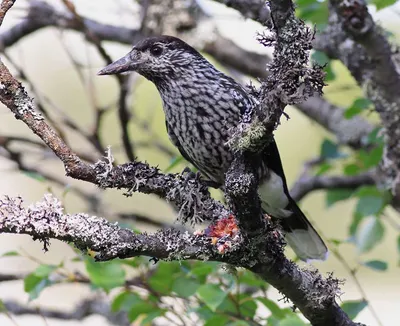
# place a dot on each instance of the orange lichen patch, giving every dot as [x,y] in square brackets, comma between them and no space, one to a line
[198,232]
[224,227]
[267,217]
[224,247]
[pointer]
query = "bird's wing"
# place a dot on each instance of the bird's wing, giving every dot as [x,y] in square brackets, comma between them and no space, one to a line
[300,234]
[175,141]
[241,98]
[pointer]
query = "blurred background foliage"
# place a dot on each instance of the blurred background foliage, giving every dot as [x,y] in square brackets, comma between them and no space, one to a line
[59,68]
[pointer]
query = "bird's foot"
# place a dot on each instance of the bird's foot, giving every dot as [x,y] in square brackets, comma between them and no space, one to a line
[196,176]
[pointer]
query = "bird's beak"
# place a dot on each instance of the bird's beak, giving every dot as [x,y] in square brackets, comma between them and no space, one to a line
[124,64]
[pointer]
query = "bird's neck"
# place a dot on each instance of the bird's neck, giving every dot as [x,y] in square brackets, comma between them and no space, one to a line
[192,79]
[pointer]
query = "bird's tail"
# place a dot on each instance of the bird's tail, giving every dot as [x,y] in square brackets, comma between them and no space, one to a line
[301,236]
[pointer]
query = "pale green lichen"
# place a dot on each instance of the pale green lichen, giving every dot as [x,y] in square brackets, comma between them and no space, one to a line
[248,137]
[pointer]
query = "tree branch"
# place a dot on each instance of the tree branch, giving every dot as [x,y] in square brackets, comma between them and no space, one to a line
[353,38]
[352,132]
[306,184]
[81,310]
[312,294]
[258,247]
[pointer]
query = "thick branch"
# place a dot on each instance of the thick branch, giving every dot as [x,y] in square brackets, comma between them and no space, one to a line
[353,37]
[46,220]
[312,294]
[307,184]
[352,132]
[82,310]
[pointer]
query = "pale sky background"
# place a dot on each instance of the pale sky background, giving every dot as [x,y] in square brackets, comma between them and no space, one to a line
[43,57]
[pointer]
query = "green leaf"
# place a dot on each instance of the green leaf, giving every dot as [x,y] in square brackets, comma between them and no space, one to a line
[175,162]
[204,312]
[398,244]
[10,254]
[330,150]
[329,73]
[335,195]
[357,218]
[185,287]
[323,168]
[217,320]
[375,137]
[2,306]
[371,202]
[247,305]
[272,321]
[351,169]
[140,308]
[380,4]
[357,107]
[251,279]
[45,270]
[162,279]
[336,242]
[320,58]
[276,311]
[158,312]
[370,205]
[313,11]
[133,262]
[212,295]
[370,158]
[34,175]
[353,308]
[368,191]
[105,275]
[203,269]
[370,233]
[124,301]
[238,323]
[292,320]
[377,265]
[37,281]
[34,284]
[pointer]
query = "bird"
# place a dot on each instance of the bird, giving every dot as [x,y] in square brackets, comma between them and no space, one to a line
[201,106]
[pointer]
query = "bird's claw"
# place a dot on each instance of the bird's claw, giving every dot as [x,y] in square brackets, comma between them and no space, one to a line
[197,177]
[189,175]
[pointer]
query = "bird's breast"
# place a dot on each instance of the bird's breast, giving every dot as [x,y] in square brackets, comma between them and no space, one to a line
[201,128]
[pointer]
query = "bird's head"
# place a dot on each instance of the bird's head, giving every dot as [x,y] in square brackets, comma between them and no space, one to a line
[156,58]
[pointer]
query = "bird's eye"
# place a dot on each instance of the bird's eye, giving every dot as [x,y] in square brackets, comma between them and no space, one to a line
[156,50]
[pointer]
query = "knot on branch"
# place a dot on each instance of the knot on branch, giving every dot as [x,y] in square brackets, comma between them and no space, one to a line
[241,190]
[37,217]
[324,290]
[291,79]
[356,17]
[188,196]
[248,136]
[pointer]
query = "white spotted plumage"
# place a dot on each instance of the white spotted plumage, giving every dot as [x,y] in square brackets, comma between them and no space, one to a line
[202,106]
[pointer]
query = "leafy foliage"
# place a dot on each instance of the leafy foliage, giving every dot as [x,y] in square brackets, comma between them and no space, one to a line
[353,308]
[377,265]
[105,275]
[36,282]
[209,295]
